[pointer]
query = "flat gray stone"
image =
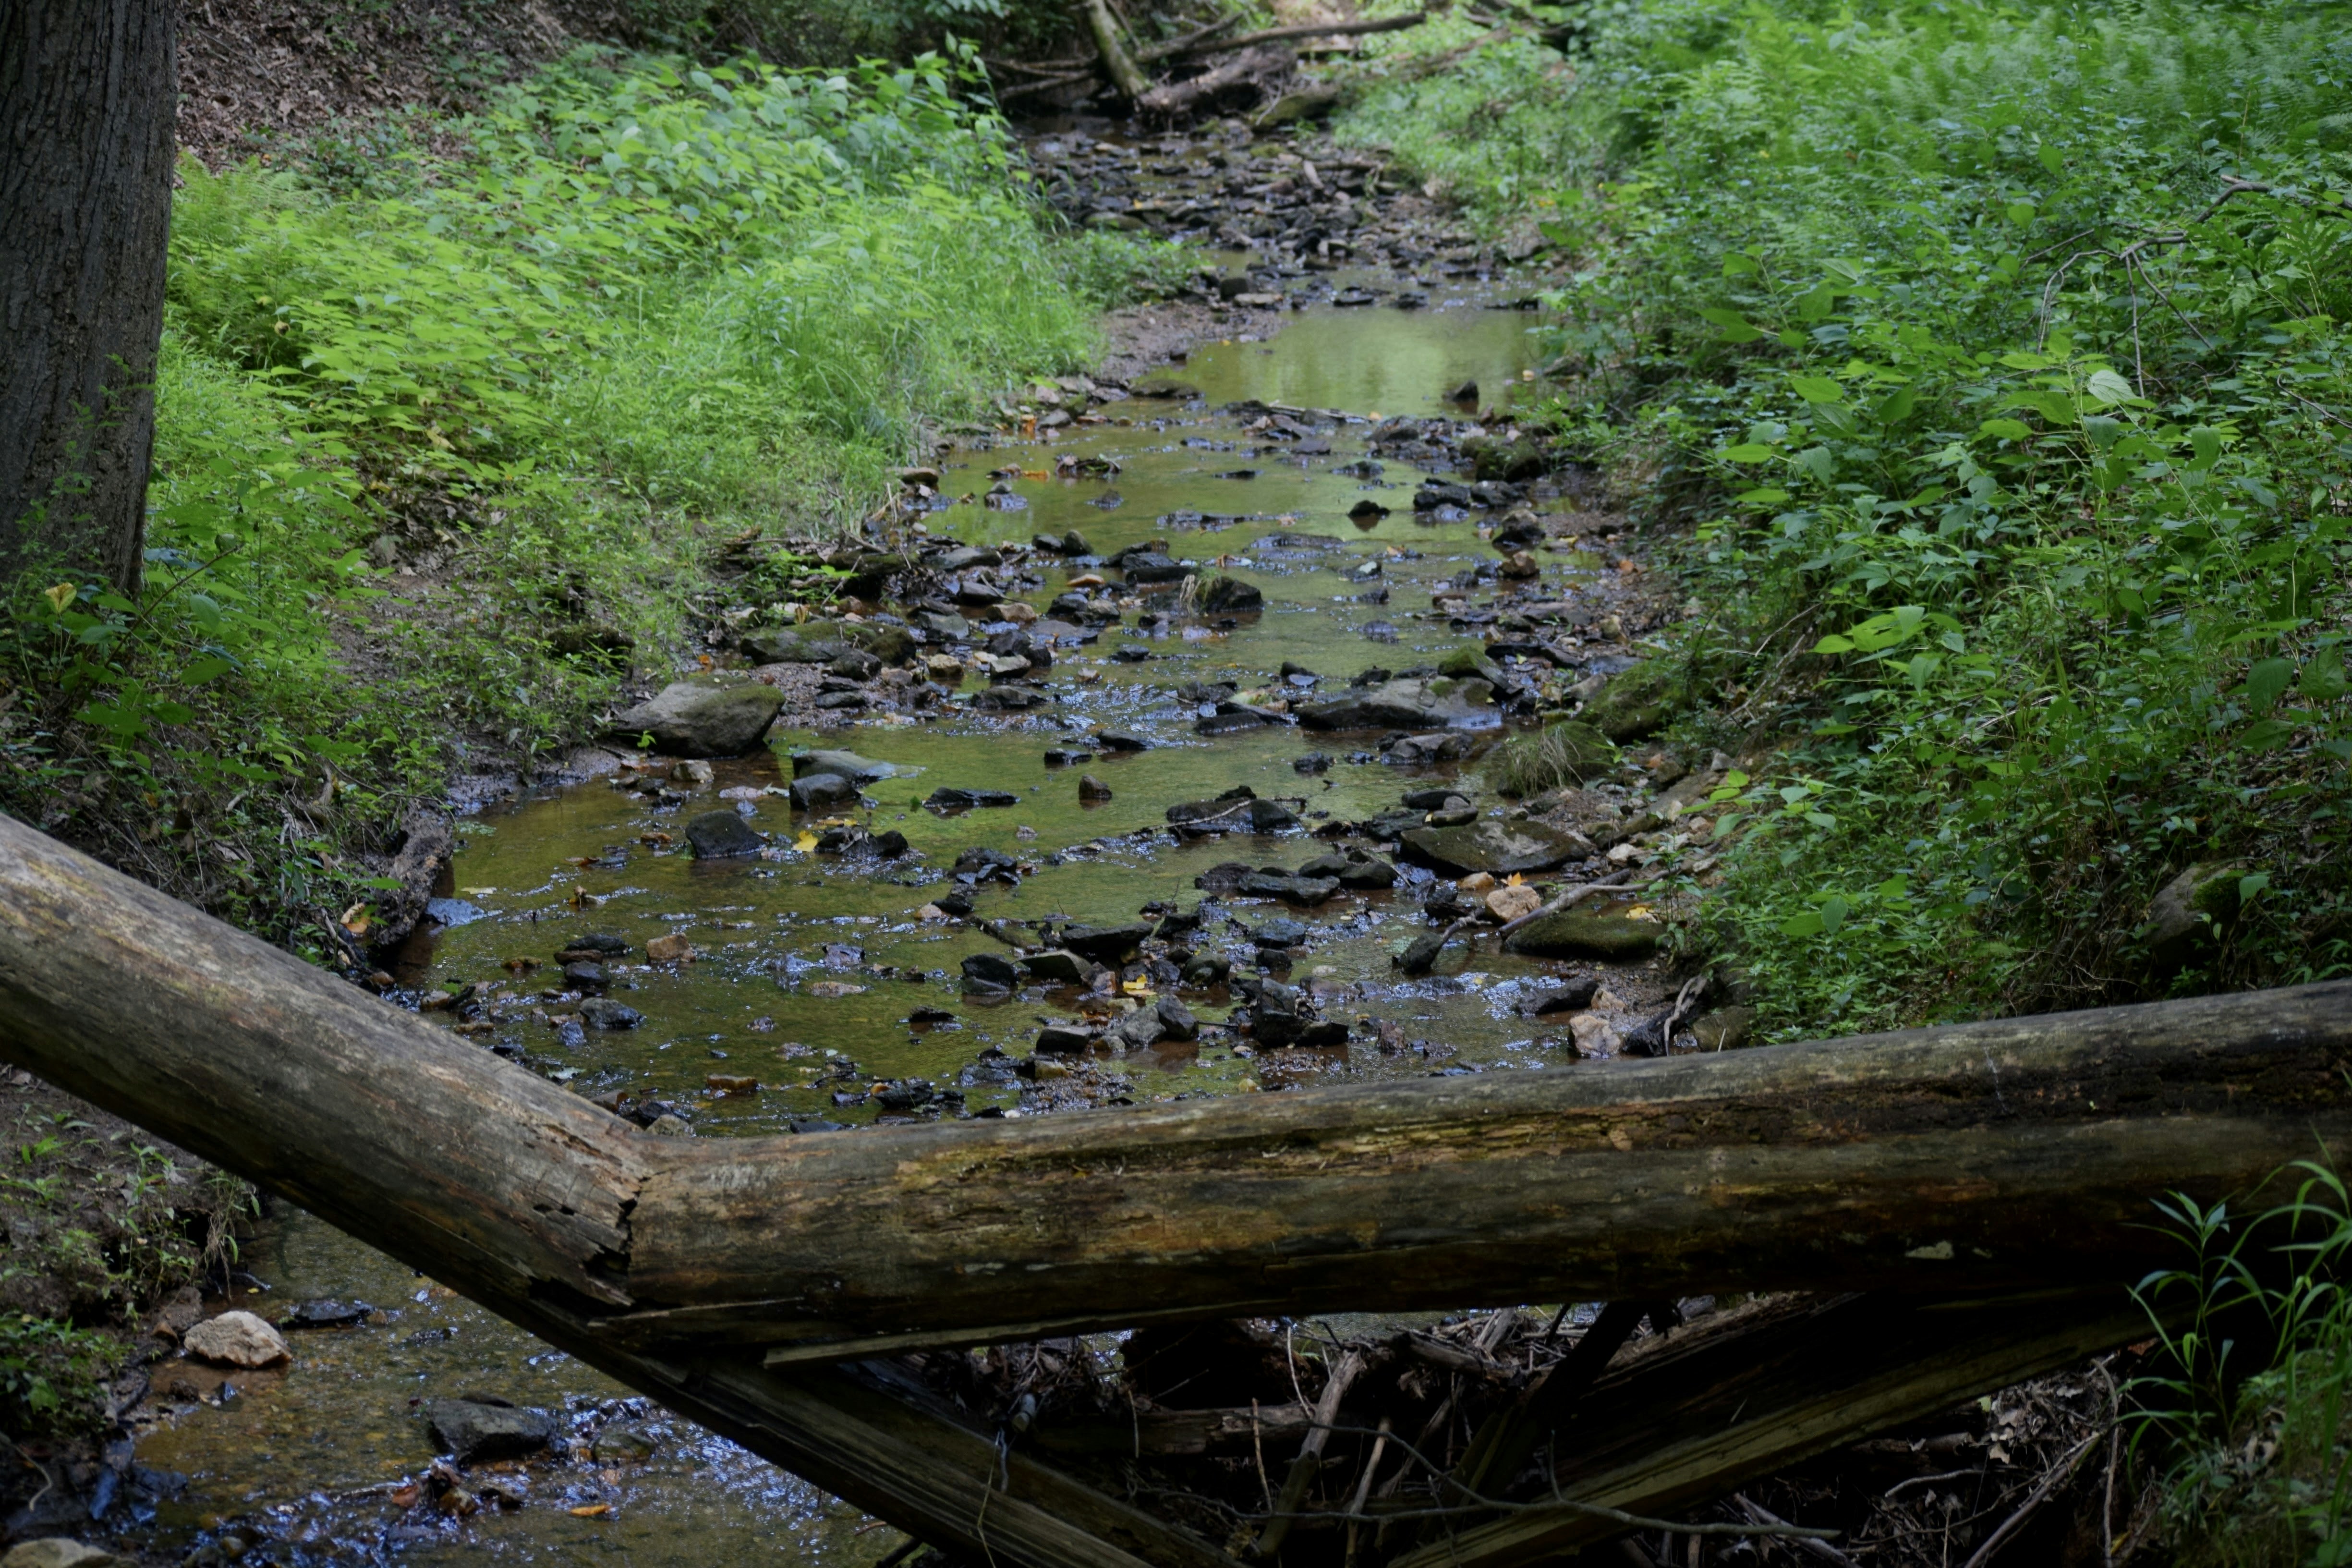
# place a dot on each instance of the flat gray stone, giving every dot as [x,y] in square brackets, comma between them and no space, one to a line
[692,719]
[722,836]
[1438,703]
[1497,848]
[473,1432]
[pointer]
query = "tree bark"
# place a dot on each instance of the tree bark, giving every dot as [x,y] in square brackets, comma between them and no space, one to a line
[2025,1152]
[87,90]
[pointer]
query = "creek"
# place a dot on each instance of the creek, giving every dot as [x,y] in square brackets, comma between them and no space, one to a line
[809,967]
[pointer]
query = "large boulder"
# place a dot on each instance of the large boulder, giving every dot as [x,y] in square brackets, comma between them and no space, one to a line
[1635,702]
[1438,703]
[1572,936]
[475,1431]
[701,719]
[1498,849]
[2190,912]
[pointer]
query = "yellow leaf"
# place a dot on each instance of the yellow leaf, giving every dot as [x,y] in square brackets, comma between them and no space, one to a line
[1139,987]
[804,843]
[1515,879]
[1641,912]
[592,1511]
[355,919]
[59,596]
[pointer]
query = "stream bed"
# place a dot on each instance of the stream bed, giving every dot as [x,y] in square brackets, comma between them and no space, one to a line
[826,991]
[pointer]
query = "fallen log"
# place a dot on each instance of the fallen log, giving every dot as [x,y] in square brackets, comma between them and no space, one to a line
[2022,1151]
[1124,73]
[1240,77]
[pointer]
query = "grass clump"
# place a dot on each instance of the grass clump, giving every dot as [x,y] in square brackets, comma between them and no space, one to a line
[1567,753]
[1985,370]
[2254,1461]
[447,440]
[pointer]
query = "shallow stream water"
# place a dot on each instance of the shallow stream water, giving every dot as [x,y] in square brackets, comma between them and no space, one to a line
[806,966]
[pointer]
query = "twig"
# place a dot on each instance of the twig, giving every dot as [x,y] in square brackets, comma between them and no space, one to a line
[1821,1549]
[1573,895]
[1155,52]
[2061,1471]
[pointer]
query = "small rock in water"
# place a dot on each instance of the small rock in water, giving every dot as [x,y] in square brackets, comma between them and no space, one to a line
[980,864]
[1312,762]
[472,1431]
[693,773]
[604,1012]
[1230,595]
[889,844]
[622,1445]
[694,719]
[596,944]
[722,836]
[822,792]
[669,949]
[237,1338]
[731,1083]
[1466,392]
[324,1314]
[947,799]
[1122,741]
[1092,788]
[1059,967]
[992,971]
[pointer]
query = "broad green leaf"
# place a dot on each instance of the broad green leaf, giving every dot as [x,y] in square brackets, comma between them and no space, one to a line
[2110,388]
[1817,388]
[2266,682]
[1750,452]
[1735,330]
[1767,497]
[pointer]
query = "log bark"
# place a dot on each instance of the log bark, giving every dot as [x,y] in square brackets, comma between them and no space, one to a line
[87,90]
[2025,1151]
[1124,73]
[1172,101]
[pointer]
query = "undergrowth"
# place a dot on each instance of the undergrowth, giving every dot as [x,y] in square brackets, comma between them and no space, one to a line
[2253,1426]
[445,440]
[1985,369]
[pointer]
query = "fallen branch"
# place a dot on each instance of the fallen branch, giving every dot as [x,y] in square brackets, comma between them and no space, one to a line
[1123,72]
[1304,30]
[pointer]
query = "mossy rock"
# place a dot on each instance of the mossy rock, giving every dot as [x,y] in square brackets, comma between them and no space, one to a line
[1569,752]
[1637,702]
[2190,912]
[1470,663]
[1572,936]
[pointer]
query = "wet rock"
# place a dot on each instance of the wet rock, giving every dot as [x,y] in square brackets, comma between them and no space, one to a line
[1573,997]
[1572,936]
[1230,595]
[855,664]
[1634,702]
[722,836]
[623,1444]
[324,1314]
[1137,1031]
[889,844]
[1176,1020]
[585,976]
[237,1338]
[1009,699]
[670,1125]
[991,969]
[822,792]
[849,765]
[1353,870]
[1412,704]
[814,1124]
[1066,1039]
[1107,944]
[604,1012]
[1312,762]
[1206,970]
[671,949]
[1091,788]
[1303,892]
[1059,967]
[1440,797]
[594,944]
[475,1431]
[947,799]
[694,719]
[1120,741]
[979,864]
[1235,811]
[1498,849]
[907,1094]
[1149,567]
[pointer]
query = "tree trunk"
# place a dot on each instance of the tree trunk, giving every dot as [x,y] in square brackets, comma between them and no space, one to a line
[87,90]
[2025,1151]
